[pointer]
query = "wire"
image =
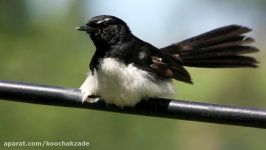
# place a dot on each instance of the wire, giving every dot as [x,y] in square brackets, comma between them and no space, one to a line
[156,107]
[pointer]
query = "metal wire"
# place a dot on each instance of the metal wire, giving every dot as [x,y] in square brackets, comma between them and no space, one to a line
[156,107]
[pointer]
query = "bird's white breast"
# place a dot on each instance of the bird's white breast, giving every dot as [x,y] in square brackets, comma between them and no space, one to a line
[124,85]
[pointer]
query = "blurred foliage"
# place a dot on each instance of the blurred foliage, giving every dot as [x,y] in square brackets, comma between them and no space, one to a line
[50,51]
[13,16]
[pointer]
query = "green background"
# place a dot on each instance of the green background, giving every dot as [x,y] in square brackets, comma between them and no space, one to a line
[47,50]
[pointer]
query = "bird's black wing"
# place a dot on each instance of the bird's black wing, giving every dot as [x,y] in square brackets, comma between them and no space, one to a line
[160,64]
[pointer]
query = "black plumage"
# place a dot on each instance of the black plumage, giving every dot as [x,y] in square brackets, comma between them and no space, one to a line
[219,48]
[222,47]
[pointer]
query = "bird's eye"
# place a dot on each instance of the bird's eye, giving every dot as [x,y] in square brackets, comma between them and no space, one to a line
[103,24]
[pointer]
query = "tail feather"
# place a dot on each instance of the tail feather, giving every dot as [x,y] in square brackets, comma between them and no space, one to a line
[219,48]
[215,36]
[238,40]
[217,52]
[224,62]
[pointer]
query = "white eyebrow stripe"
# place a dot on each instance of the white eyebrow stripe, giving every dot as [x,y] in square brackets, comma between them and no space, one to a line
[106,19]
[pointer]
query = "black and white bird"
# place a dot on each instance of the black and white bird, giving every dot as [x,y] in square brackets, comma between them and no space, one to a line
[125,70]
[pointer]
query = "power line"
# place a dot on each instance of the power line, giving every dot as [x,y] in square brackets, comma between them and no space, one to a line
[156,107]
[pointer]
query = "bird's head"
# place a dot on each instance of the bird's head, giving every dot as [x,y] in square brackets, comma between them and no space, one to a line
[106,30]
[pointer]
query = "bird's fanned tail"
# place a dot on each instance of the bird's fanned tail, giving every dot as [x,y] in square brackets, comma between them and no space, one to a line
[225,47]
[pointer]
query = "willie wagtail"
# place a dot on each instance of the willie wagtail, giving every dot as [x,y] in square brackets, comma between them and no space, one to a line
[125,70]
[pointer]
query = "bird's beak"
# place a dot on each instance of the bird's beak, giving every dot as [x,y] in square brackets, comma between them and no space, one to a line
[84,28]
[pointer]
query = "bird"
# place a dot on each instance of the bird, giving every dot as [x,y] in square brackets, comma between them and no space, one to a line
[126,70]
